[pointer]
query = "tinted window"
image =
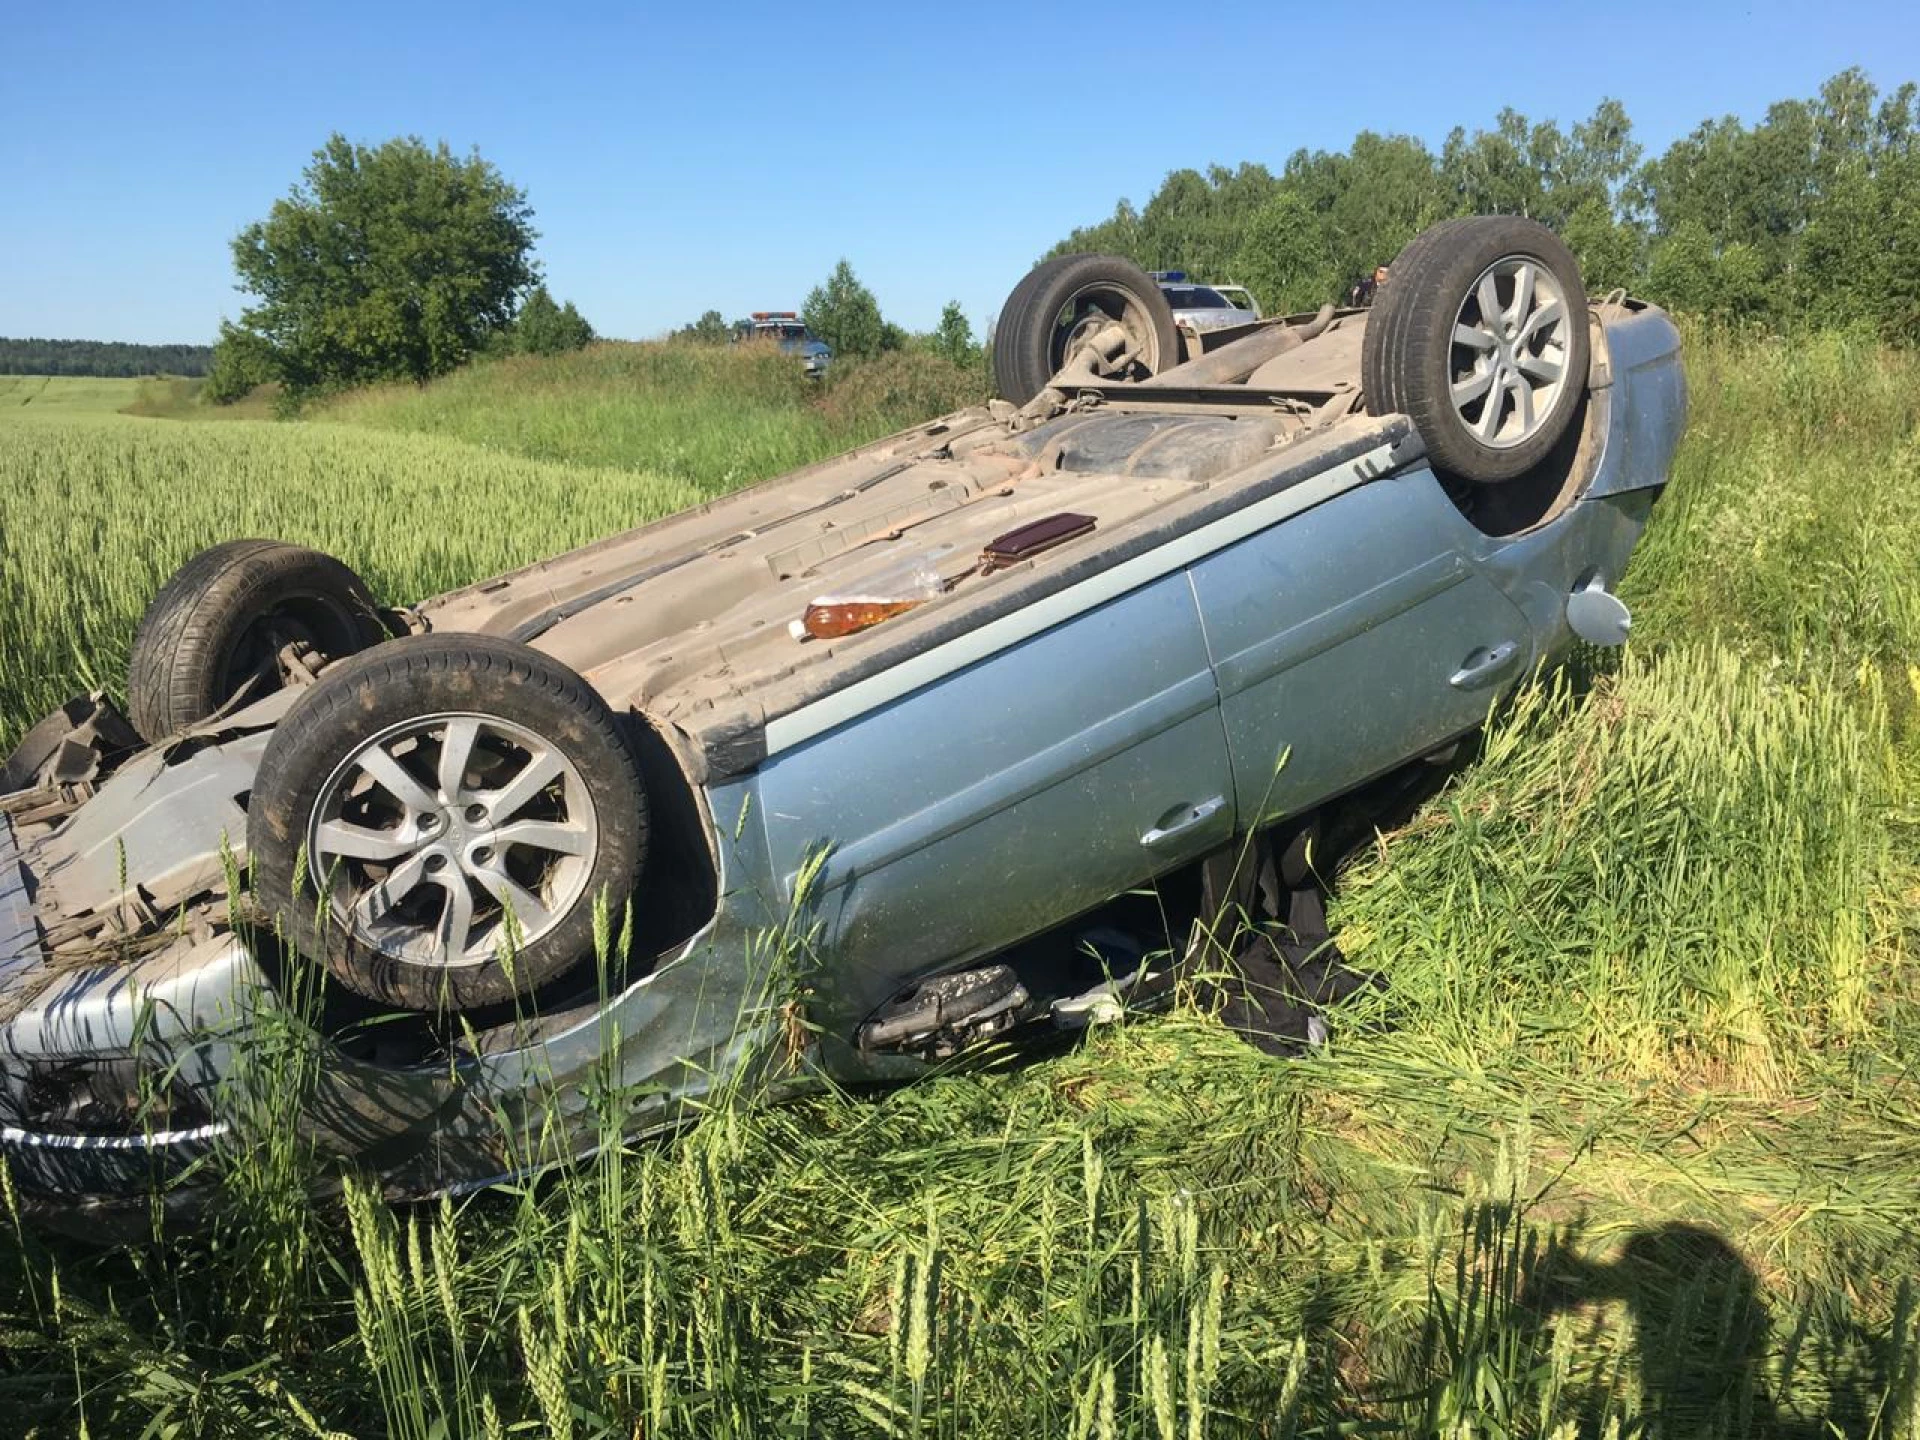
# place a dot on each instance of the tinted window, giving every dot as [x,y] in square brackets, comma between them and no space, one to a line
[1195,297]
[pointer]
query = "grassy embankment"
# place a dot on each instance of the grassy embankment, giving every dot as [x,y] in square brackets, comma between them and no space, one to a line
[1630,1144]
[419,489]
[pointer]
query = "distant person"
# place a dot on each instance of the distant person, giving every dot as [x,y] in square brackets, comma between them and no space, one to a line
[1368,287]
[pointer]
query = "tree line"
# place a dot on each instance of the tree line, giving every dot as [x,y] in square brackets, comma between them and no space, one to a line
[34,356]
[1810,216]
[845,314]
[402,261]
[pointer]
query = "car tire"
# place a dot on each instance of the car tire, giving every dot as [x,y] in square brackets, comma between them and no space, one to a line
[1480,338]
[223,618]
[426,790]
[1036,328]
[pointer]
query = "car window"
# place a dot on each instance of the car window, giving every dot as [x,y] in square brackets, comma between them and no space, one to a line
[1195,297]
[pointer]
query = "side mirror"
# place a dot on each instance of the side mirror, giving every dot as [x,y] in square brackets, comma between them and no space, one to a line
[1597,615]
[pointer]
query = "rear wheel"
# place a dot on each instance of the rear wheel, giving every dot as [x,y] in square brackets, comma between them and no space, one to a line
[461,802]
[1480,338]
[219,626]
[1063,305]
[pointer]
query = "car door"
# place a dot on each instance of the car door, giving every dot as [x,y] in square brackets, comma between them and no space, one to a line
[1008,796]
[1352,637]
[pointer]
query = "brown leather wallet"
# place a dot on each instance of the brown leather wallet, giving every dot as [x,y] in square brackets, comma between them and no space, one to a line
[1030,539]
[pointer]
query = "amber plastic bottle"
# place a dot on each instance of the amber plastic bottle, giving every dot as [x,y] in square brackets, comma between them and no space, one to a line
[880,596]
[829,619]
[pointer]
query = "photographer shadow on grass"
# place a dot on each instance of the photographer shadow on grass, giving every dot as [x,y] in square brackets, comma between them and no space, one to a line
[1700,1325]
[1703,1334]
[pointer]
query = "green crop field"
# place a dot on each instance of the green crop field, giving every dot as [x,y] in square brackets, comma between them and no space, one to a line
[1628,1145]
[64,395]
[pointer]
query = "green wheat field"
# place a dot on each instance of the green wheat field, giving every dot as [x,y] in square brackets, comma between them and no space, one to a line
[1629,1144]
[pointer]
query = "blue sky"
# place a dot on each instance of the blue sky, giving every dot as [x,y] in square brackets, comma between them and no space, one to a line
[725,156]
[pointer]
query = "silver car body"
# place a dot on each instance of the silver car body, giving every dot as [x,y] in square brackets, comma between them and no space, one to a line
[1239,297]
[1202,309]
[1274,573]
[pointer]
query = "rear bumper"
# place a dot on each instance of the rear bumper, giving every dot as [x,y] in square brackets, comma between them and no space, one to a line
[95,1170]
[87,1055]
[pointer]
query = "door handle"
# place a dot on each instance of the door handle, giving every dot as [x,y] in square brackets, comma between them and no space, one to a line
[1484,665]
[1193,815]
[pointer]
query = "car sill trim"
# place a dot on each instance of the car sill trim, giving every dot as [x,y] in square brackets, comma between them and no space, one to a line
[798,726]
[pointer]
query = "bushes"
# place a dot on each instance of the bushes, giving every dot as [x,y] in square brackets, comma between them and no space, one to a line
[900,388]
[241,360]
[544,328]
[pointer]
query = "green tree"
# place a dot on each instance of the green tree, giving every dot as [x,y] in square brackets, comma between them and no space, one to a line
[953,337]
[1899,306]
[386,263]
[1509,170]
[709,329]
[1284,259]
[544,328]
[36,356]
[844,313]
[1389,190]
[241,360]
[1740,288]
[1118,234]
[1601,157]
[1609,252]
[1681,274]
[1809,217]
[1197,223]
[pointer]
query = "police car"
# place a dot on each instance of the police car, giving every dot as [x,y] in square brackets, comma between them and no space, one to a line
[1201,308]
[786,328]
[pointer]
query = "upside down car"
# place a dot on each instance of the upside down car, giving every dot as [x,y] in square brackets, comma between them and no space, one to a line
[947,698]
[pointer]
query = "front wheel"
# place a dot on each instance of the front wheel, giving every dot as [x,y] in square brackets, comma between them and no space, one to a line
[1480,338]
[461,803]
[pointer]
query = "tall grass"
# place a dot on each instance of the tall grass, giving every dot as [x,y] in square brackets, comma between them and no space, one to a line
[1695,841]
[100,512]
[1791,522]
[1629,1144]
[712,416]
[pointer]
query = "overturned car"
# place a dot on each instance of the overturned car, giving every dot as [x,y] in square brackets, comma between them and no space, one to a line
[920,714]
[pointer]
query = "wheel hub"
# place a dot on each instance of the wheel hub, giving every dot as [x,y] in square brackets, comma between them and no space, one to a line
[1510,350]
[1106,329]
[447,838]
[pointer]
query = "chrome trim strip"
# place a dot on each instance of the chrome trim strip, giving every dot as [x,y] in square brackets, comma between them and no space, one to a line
[152,1140]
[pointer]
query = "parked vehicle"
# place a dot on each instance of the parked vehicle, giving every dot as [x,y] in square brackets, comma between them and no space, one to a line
[786,329]
[1087,638]
[1239,298]
[1201,308]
